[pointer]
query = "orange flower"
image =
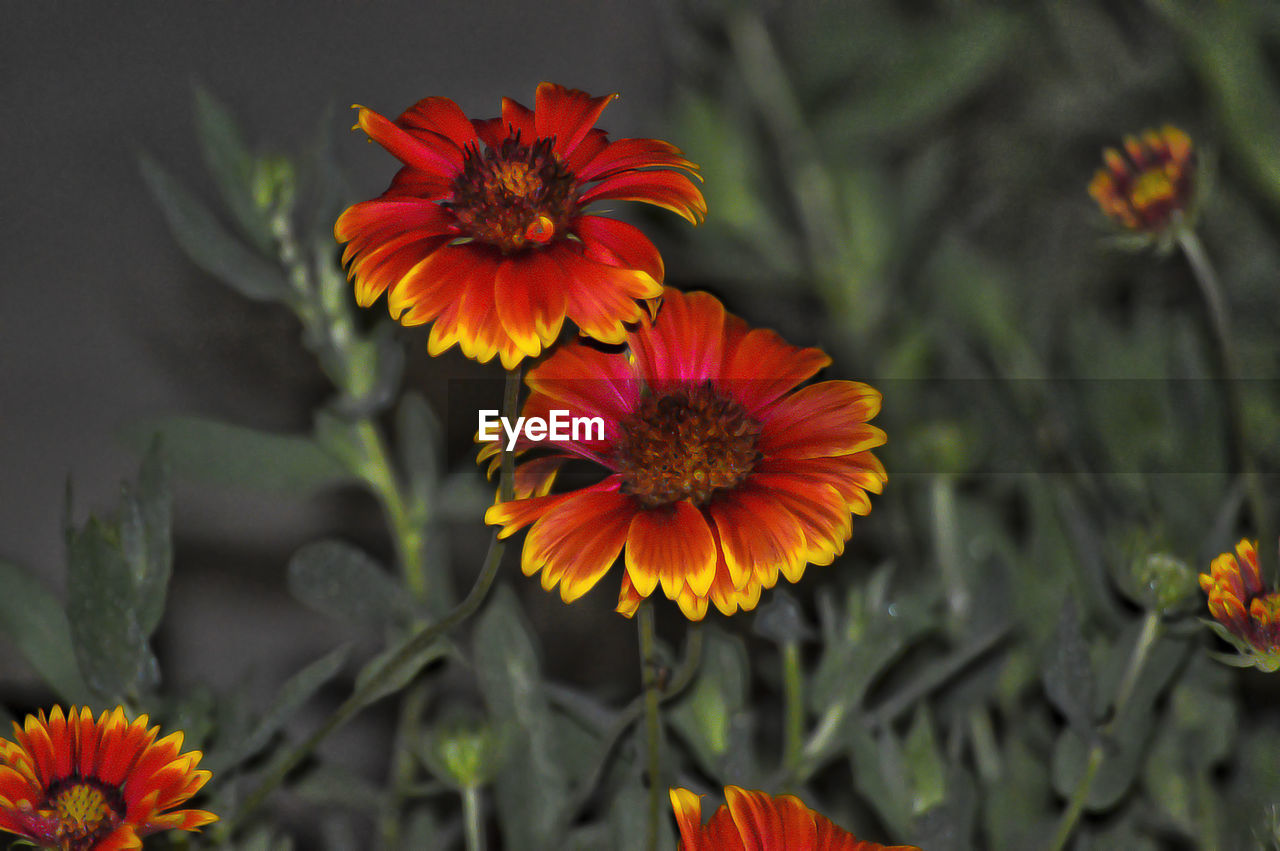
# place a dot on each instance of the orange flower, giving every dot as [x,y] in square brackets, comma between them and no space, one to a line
[70,783]
[1156,182]
[1247,614]
[722,474]
[755,821]
[483,232]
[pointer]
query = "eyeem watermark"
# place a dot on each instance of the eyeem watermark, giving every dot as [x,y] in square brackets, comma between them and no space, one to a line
[559,426]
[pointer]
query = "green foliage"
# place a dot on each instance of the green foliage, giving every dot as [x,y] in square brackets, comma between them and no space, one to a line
[1006,656]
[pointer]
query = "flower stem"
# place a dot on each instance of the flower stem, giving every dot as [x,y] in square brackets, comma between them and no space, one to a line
[793,702]
[652,721]
[411,649]
[1080,795]
[471,816]
[679,681]
[402,763]
[1229,372]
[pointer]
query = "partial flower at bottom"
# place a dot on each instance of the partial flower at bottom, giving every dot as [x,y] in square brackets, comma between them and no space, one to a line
[756,821]
[75,784]
[722,476]
[1245,613]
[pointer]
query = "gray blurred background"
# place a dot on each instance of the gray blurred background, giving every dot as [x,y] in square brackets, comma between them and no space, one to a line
[105,322]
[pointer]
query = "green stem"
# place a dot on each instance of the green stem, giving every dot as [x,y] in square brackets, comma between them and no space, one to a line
[678,683]
[411,649]
[402,764]
[793,703]
[652,721]
[472,818]
[1078,799]
[1080,795]
[379,474]
[1229,369]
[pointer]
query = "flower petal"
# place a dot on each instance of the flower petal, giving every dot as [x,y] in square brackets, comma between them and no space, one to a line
[667,189]
[824,419]
[761,366]
[631,154]
[618,244]
[432,154]
[577,542]
[530,300]
[683,345]
[442,116]
[566,115]
[673,544]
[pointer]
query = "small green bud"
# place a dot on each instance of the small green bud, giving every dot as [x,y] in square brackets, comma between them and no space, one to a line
[274,184]
[464,752]
[1162,583]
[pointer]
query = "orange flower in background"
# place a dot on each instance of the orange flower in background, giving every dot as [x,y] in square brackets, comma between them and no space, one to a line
[1157,181]
[1246,614]
[755,821]
[75,784]
[483,232]
[722,475]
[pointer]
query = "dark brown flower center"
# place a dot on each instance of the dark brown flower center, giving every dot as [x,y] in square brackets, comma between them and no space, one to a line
[514,195]
[85,810]
[685,444]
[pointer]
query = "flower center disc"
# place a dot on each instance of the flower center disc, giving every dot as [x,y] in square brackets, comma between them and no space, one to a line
[85,813]
[514,195]
[686,444]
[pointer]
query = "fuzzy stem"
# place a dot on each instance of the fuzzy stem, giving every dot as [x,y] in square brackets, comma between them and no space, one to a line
[1229,372]
[1080,796]
[652,721]
[793,701]
[471,816]
[411,649]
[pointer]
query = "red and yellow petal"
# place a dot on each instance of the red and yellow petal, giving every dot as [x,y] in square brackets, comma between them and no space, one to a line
[631,154]
[761,366]
[577,542]
[432,154]
[530,300]
[617,243]
[674,545]
[667,189]
[757,821]
[822,420]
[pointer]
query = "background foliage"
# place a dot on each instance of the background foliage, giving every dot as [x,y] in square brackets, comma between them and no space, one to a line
[1008,653]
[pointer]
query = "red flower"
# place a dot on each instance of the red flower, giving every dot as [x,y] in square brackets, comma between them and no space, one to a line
[1247,614]
[1144,192]
[722,474]
[755,821]
[483,232]
[71,783]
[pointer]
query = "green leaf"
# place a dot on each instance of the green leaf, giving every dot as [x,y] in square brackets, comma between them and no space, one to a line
[35,621]
[225,454]
[333,786]
[146,516]
[533,785]
[110,645]
[418,433]
[342,582]
[296,691]
[208,243]
[1068,675]
[926,771]
[709,714]
[232,165]
[944,65]
[402,675]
